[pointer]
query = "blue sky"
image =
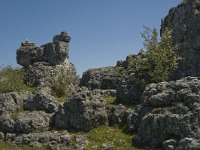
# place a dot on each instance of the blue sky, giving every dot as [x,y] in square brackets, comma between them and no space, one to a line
[102,31]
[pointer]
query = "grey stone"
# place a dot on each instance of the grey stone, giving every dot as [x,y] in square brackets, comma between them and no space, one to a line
[129,89]
[6,123]
[100,78]
[43,138]
[133,119]
[188,143]
[170,144]
[27,122]
[107,146]
[63,36]
[53,53]
[82,142]
[13,102]
[10,137]
[41,74]
[117,115]
[169,110]
[41,64]
[29,53]
[42,101]
[1,136]
[184,21]
[83,111]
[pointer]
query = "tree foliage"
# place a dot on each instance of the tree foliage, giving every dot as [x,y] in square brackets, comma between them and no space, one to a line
[157,61]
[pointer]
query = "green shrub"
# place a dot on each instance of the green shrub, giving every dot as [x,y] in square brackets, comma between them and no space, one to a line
[11,80]
[158,60]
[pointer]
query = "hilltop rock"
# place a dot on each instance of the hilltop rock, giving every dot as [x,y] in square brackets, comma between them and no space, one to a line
[101,78]
[82,112]
[184,21]
[48,61]
[53,53]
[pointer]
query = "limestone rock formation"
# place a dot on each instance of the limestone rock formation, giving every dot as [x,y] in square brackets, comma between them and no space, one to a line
[100,78]
[46,61]
[82,112]
[129,91]
[53,53]
[31,121]
[169,111]
[184,21]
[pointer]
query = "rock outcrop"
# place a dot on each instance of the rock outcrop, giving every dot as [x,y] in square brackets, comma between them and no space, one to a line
[129,90]
[82,112]
[46,61]
[170,111]
[184,21]
[101,78]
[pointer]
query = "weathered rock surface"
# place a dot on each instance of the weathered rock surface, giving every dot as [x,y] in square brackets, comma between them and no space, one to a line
[184,22]
[53,53]
[42,101]
[188,143]
[47,61]
[41,73]
[169,111]
[83,111]
[13,102]
[6,122]
[27,122]
[129,90]
[118,115]
[101,78]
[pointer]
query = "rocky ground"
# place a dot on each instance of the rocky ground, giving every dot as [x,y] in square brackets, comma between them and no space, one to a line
[104,109]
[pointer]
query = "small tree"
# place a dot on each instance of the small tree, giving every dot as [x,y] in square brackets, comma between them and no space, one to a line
[158,61]
[161,59]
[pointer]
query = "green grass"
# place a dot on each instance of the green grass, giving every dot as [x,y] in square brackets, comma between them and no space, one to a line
[105,134]
[12,80]
[10,146]
[111,100]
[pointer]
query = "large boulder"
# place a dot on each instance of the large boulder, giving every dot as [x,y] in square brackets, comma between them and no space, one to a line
[27,122]
[101,78]
[118,115]
[184,21]
[42,101]
[13,102]
[6,122]
[41,73]
[130,87]
[170,110]
[83,111]
[188,143]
